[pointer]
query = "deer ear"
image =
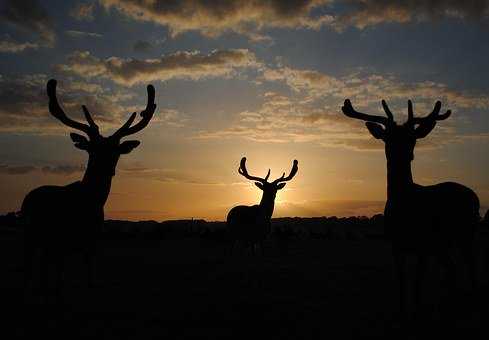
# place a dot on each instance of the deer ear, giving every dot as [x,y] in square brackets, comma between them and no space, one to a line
[281,186]
[128,146]
[81,142]
[376,130]
[259,185]
[424,129]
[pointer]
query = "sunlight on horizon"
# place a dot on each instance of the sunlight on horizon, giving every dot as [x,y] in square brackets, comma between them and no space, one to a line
[266,86]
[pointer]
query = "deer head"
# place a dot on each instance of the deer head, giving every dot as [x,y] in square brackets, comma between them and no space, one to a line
[104,152]
[399,140]
[269,188]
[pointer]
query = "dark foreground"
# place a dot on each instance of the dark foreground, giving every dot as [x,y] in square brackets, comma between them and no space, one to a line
[189,288]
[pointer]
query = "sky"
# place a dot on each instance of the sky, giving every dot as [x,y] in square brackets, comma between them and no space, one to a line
[261,79]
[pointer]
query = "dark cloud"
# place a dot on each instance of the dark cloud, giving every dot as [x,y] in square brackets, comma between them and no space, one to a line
[11,46]
[16,169]
[250,17]
[186,65]
[213,18]
[142,46]
[366,13]
[338,208]
[63,170]
[81,34]
[83,11]
[29,15]
[24,104]
[165,175]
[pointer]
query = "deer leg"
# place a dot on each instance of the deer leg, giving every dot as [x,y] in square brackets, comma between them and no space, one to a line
[468,257]
[400,264]
[58,284]
[29,258]
[421,267]
[262,248]
[90,258]
[44,274]
[449,278]
[235,248]
[257,248]
[448,283]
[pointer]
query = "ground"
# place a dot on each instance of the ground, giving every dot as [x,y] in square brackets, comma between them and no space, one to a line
[191,288]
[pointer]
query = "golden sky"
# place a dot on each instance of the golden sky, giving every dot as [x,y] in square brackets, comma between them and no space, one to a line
[261,79]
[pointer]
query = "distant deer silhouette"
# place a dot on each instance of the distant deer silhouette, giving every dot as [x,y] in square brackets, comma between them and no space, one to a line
[421,220]
[252,224]
[63,219]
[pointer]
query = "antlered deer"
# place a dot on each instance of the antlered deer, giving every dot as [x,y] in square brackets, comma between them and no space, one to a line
[63,219]
[252,224]
[432,220]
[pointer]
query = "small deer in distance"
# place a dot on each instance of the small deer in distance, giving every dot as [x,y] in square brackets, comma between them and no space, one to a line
[250,225]
[436,220]
[61,220]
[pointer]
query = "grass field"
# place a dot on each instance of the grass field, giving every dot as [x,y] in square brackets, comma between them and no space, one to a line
[191,288]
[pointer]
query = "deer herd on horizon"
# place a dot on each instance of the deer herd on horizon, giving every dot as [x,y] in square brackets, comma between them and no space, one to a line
[426,221]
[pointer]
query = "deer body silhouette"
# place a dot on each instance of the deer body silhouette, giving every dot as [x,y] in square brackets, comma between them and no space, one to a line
[252,224]
[432,220]
[64,219]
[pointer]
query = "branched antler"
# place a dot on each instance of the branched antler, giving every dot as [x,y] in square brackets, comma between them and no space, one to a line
[433,116]
[146,115]
[349,111]
[91,130]
[291,175]
[243,172]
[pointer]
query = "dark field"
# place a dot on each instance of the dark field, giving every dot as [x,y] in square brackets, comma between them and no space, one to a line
[190,288]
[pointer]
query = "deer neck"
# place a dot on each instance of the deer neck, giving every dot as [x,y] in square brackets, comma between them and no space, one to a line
[399,180]
[267,204]
[97,183]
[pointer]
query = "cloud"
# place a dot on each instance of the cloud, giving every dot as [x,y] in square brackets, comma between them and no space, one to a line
[282,119]
[16,169]
[251,17]
[316,83]
[63,170]
[340,208]
[142,46]
[30,16]
[213,18]
[24,104]
[179,65]
[165,175]
[312,114]
[81,34]
[11,46]
[365,13]
[83,11]
[368,89]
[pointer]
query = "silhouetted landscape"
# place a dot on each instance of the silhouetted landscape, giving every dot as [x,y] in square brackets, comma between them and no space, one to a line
[317,277]
[245,112]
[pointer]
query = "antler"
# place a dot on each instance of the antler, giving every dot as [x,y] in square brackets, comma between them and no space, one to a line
[432,117]
[291,175]
[243,172]
[349,111]
[146,115]
[56,110]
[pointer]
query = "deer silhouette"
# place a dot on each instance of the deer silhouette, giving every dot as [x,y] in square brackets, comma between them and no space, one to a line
[250,225]
[423,221]
[61,220]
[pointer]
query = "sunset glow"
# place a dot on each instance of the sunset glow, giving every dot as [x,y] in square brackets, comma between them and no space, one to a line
[263,80]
